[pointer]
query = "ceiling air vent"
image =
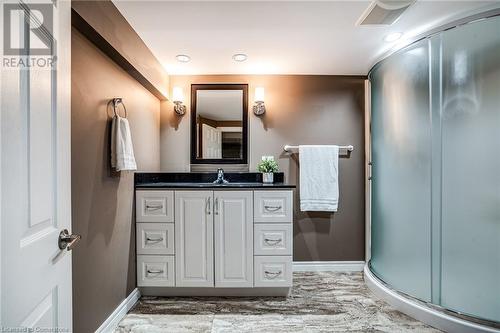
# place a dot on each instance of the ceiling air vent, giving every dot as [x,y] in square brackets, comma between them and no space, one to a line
[384,12]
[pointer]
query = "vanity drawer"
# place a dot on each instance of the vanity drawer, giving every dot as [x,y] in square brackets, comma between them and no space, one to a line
[273,206]
[154,206]
[272,239]
[272,271]
[155,238]
[155,271]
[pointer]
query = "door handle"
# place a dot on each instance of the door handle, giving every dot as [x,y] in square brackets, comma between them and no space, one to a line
[216,206]
[67,241]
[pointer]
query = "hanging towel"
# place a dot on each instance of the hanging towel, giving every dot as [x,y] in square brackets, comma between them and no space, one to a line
[319,189]
[122,151]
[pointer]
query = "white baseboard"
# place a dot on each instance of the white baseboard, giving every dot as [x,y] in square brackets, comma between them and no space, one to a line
[111,323]
[328,266]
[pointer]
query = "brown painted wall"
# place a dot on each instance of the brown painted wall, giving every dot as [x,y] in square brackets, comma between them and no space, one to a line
[104,261]
[301,109]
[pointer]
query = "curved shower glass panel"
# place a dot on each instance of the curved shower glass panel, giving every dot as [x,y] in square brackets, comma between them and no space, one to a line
[401,171]
[470,221]
[436,169]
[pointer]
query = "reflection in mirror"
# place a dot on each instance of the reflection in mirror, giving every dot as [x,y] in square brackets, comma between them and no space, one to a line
[220,129]
[219,123]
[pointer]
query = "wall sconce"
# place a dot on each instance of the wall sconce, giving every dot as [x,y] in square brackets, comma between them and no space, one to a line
[259,108]
[178,98]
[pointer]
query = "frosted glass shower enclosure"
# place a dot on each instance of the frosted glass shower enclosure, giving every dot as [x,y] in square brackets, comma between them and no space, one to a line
[436,169]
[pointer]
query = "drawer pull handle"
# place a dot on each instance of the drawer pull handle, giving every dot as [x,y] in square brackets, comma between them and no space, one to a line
[154,207]
[272,241]
[154,239]
[272,208]
[155,271]
[272,275]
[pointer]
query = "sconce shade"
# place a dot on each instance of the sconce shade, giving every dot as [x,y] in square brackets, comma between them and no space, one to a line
[259,94]
[177,95]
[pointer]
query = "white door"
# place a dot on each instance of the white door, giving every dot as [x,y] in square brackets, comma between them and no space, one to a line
[233,216]
[194,232]
[212,142]
[35,178]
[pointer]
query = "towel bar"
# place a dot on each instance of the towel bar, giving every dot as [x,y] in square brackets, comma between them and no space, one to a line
[289,148]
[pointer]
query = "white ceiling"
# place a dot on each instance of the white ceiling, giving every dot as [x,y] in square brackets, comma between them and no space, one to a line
[220,104]
[279,37]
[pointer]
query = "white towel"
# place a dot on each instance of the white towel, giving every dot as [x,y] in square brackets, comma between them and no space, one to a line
[122,151]
[319,189]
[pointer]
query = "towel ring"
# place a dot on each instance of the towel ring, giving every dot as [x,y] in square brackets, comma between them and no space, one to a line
[116,101]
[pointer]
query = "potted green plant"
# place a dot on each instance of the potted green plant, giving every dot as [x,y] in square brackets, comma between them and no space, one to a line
[268,167]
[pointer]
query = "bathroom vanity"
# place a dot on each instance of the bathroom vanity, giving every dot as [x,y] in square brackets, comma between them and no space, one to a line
[199,238]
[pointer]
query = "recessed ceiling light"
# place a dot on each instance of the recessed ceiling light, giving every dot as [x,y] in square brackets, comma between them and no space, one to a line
[393,36]
[183,58]
[240,57]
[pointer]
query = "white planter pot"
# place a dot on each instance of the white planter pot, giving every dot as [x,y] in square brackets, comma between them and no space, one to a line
[267,177]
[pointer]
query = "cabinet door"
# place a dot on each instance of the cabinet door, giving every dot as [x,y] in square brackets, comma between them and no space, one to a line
[233,216]
[194,239]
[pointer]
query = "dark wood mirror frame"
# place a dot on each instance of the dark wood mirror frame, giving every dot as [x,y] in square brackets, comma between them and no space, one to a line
[244,89]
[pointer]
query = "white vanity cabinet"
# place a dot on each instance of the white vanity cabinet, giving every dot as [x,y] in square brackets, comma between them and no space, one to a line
[214,241]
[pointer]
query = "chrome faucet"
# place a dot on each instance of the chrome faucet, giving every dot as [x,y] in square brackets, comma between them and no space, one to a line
[220,177]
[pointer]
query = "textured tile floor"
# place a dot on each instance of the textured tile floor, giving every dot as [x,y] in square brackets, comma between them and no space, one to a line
[320,302]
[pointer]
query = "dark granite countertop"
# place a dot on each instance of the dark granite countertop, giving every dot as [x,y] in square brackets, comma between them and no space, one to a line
[210,185]
[181,180]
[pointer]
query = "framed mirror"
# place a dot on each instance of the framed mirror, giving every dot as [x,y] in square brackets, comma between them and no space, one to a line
[219,123]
